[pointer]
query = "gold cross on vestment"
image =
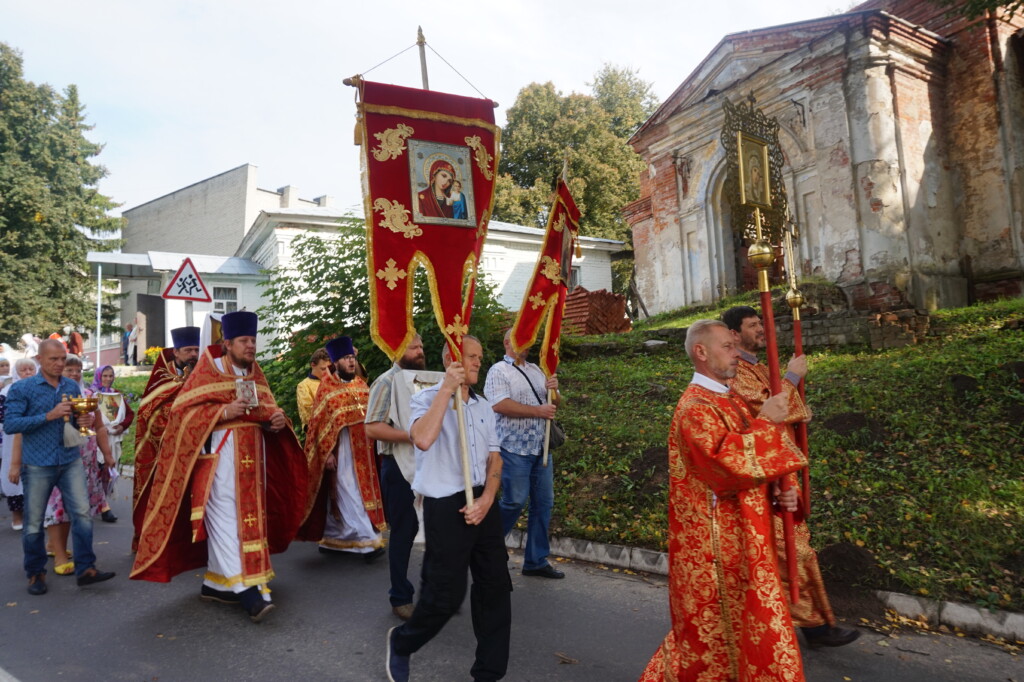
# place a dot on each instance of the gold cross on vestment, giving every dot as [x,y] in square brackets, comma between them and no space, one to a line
[250,520]
[248,461]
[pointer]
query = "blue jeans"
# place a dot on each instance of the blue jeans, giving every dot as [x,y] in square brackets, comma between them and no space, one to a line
[38,483]
[524,476]
[401,515]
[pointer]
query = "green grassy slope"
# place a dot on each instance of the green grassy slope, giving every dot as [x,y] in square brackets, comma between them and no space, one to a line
[929,480]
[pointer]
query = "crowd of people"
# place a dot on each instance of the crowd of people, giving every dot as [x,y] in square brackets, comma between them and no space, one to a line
[222,482]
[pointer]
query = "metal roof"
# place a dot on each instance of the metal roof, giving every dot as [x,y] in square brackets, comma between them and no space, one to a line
[152,264]
[522,229]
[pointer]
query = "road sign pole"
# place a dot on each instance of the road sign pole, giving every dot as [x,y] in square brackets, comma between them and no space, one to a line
[188,313]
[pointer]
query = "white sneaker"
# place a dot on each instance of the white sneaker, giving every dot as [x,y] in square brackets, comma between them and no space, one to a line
[16,526]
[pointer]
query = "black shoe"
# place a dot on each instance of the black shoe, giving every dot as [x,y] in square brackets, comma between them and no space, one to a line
[370,557]
[254,604]
[259,611]
[396,665]
[108,516]
[830,636]
[207,593]
[37,584]
[547,571]
[92,575]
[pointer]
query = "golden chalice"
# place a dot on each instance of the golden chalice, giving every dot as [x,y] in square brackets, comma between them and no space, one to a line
[82,405]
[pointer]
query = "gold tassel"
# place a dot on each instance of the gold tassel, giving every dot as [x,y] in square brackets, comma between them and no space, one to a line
[579,251]
[357,134]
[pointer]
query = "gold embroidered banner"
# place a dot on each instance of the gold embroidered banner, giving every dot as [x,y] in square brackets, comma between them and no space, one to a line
[429,167]
[545,297]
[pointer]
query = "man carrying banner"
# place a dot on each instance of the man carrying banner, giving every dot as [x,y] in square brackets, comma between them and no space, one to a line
[170,370]
[515,388]
[229,484]
[343,509]
[730,619]
[459,536]
[813,613]
[387,422]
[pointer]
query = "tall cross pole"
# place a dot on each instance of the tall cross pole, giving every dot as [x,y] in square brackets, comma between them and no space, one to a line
[762,256]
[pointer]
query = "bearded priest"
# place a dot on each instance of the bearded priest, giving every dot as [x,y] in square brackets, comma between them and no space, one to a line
[230,478]
[343,504]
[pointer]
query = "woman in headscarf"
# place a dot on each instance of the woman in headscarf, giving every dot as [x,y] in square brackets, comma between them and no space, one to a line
[10,449]
[56,520]
[117,414]
[31,344]
[435,200]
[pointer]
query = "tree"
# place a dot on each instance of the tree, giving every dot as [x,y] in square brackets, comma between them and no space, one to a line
[324,293]
[545,127]
[50,207]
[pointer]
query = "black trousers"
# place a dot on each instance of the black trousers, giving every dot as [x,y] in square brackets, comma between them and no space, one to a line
[401,515]
[452,547]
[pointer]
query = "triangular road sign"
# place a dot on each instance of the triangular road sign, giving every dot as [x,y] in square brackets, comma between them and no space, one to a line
[186,285]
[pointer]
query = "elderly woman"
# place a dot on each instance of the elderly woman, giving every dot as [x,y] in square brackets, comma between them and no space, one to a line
[56,521]
[117,413]
[10,450]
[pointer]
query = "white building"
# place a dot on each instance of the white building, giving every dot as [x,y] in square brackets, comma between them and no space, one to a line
[233,230]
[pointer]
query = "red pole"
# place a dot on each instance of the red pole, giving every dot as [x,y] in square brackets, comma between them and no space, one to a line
[801,428]
[762,256]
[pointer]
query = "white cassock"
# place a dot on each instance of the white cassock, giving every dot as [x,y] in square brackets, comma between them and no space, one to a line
[224,549]
[354,532]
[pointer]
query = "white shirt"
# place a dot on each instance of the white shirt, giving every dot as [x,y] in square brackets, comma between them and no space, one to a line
[439,467]
[708,383]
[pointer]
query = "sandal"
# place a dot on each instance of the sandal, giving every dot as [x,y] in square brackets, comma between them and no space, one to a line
[65,569]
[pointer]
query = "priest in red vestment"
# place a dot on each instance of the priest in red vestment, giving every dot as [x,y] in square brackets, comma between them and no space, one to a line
[813,613]
[171,369]
[343,505]
[730,620]
[230,478]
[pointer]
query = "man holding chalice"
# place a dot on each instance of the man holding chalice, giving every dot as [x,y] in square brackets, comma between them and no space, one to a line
[50,457]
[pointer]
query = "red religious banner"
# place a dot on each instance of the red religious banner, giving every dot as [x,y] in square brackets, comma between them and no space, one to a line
[545,297]
[429,168]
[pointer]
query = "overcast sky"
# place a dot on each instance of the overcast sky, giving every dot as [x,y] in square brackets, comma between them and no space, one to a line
[181,90]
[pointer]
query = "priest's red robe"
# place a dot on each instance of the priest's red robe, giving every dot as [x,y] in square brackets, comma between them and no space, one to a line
[270,479]
[730,620]
[339,405]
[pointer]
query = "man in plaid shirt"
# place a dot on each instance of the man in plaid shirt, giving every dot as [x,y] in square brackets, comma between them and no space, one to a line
[516,389]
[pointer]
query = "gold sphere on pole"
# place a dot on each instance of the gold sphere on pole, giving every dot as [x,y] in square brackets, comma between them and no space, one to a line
[794,298]
[761,254]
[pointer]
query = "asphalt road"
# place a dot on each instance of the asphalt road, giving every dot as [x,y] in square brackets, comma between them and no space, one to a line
[332,615]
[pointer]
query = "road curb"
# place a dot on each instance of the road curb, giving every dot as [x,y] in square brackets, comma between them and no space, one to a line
[975,620]
[967,618]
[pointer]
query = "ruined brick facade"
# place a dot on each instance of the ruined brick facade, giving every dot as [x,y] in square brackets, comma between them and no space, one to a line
[903,134]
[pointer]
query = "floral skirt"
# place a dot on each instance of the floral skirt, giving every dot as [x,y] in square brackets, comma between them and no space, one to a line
[93,485]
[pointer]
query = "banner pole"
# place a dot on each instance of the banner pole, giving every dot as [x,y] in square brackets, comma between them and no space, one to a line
[547,431]
[422,42]
[762,256]
[467,475]
[795,299]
